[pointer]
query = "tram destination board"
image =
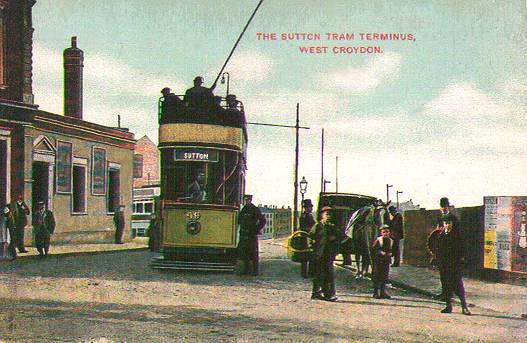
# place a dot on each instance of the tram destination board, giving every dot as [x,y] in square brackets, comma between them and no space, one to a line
[195,154]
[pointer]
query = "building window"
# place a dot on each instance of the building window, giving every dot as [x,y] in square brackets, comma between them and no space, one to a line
[144,207]
[138,166]
[79,189]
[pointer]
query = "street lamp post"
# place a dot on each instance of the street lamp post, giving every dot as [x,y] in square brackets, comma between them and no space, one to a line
[303,189]
[325,182]
[228,81]
[397,195]
[388,192]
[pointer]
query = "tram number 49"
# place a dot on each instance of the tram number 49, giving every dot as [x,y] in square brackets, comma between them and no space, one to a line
[193,215]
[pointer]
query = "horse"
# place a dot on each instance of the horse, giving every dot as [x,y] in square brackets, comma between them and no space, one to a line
[363,227]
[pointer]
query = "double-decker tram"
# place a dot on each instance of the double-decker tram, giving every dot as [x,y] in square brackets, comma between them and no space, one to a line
[203,150]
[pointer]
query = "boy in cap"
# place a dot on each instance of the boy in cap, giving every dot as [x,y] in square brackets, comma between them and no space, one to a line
[382,253]
[326,239]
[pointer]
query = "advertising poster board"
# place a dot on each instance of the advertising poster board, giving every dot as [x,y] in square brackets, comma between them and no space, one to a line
[505,246]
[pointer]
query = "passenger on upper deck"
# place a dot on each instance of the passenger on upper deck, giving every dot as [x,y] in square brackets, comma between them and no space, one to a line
[198,96]
[234,115]
[171,103]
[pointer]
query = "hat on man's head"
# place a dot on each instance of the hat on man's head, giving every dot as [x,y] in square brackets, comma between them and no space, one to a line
[248,196]
[198,78]
[308,203]
[443,202]
[392,209]
[325,209]
[384,227]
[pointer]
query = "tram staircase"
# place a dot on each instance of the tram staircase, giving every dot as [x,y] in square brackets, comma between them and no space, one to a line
[164,264]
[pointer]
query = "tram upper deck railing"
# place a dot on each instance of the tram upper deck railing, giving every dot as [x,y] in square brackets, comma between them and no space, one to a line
[174,110]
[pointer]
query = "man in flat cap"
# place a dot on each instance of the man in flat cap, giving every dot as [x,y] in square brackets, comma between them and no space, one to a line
[251,222]
[44,226]
[382,253]
[326,240]
[170,103]
[306,223]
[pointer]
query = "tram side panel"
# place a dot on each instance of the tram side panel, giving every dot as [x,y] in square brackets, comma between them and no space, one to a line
[195,227]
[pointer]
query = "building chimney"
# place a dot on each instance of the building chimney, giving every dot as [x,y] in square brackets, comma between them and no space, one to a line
[73,64]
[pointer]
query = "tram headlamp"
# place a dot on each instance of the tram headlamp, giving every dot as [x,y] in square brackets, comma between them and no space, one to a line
[193,227]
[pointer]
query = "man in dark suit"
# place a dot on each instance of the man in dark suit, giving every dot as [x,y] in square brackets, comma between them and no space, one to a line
[118,220]
[306,223]
[450,251]
[44,226]
[20,212]
[198,96]
[326,240]
[251,222]
[396,234]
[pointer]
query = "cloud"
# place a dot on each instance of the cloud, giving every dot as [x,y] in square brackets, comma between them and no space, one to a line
[476,122]
[250,66]
[367,77]
[105,78]
[464,101]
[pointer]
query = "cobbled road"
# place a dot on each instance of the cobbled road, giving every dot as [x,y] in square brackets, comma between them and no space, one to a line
[116,297]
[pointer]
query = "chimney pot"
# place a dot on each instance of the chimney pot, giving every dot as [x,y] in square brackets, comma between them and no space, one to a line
[73,65]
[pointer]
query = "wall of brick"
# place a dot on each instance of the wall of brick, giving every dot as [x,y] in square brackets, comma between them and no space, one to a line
[418,224]
[150,153]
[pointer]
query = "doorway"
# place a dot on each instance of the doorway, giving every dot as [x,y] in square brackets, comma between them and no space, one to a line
[114,193]
[3,173]
[40,183]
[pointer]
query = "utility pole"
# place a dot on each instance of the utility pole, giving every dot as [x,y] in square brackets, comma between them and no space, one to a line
[324,187]
[336,174]
[322,184]
[388,192]
[397,196]
[297,127]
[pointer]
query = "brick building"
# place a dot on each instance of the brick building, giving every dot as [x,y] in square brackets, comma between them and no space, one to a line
[147,161]
[81,170]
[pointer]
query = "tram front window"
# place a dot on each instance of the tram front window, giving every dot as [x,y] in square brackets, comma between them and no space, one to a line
[211,182]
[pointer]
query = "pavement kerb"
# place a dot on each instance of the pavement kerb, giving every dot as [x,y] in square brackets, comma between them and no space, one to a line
[79,253]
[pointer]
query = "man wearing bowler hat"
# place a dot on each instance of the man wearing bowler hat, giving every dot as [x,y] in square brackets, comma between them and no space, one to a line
[326,239]
[251,222]
[44,226]
[306,223]
[450,252]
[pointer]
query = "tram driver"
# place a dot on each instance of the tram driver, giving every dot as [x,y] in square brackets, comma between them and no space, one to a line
[197,189]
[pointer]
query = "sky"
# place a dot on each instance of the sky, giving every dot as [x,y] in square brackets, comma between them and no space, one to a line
[440,114]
